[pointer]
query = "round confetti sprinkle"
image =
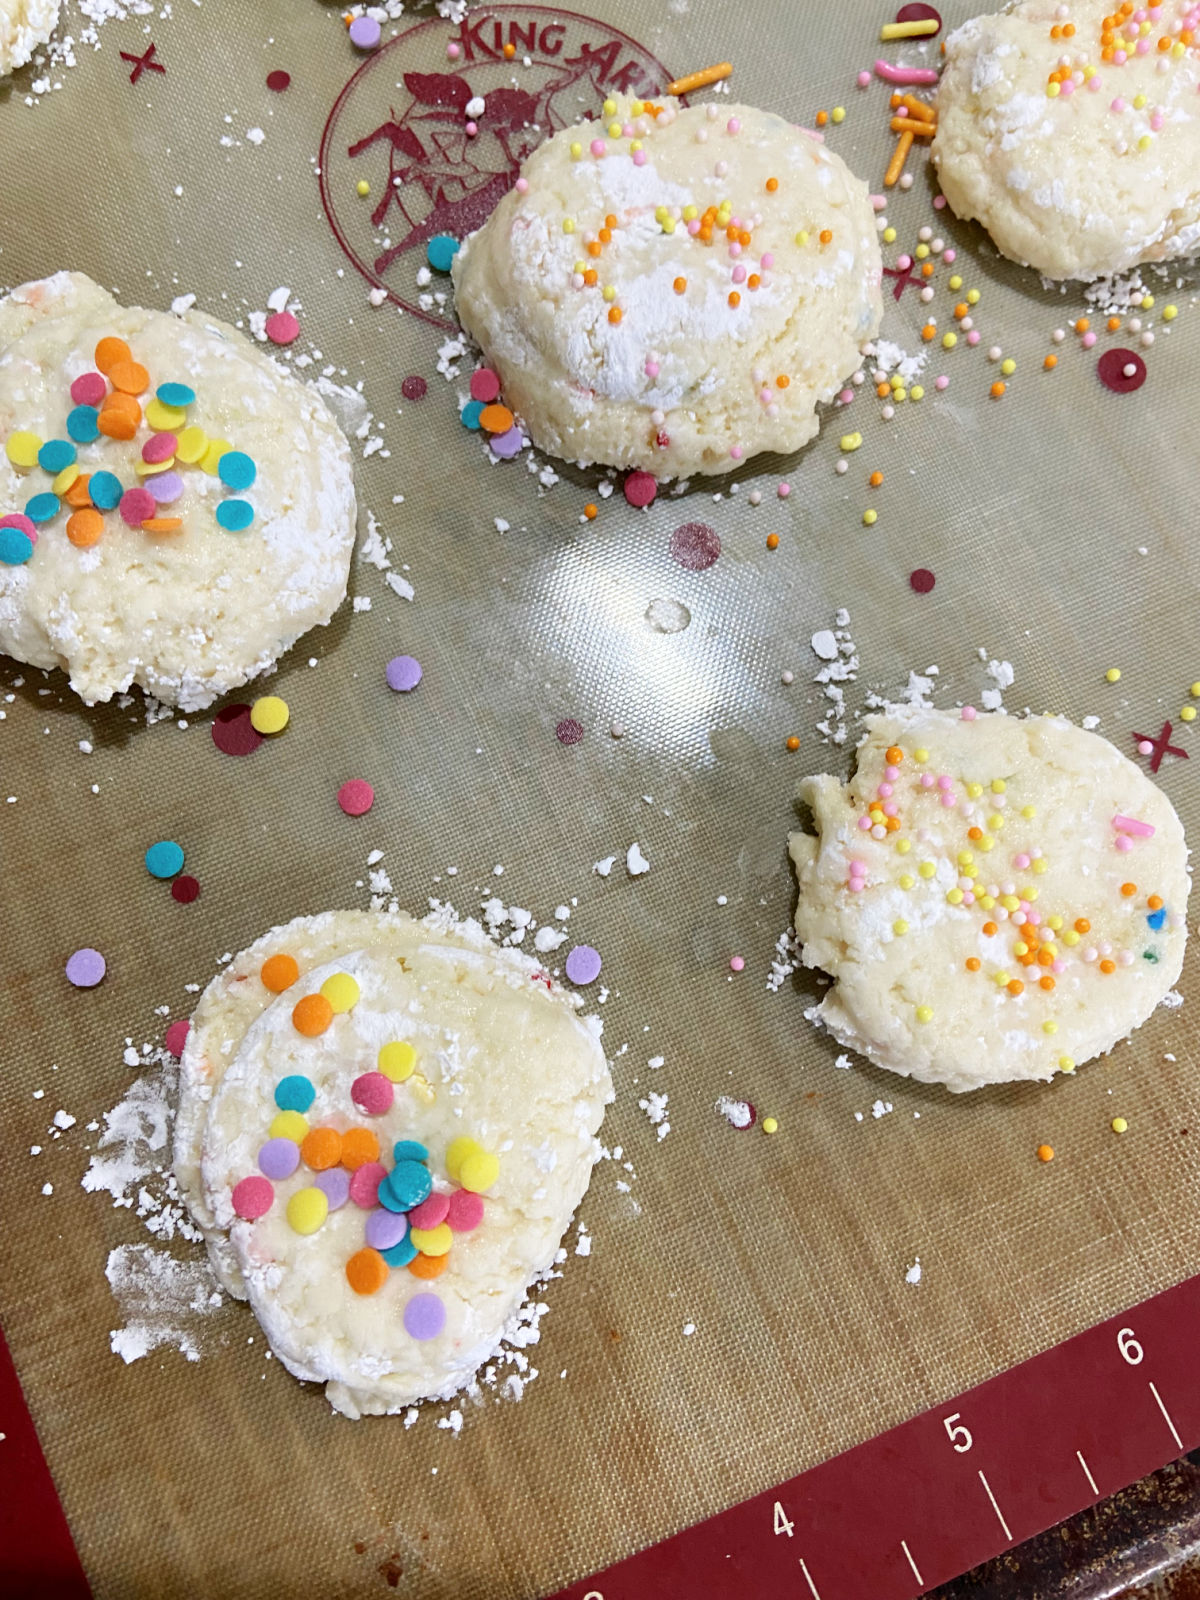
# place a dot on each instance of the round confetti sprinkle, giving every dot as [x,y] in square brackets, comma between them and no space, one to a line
[89,389]
[470,414]
[166,487]
[921,580]
[295,1093]
[479,1171]
[568,731]
[364,1184]
[56,454]
[279,1158]
[235,515]
[695,545]
[918,13]
[176,1036]
[485,385]
[185,889]
[160,447]
[233,732]
[431,1213]
[136,505]
[307,1210]
[359,1145]
[282,328]
[414,387]
[311,1015]
[365,33]
[640,488]
[269,714]
[409,1150]
[235,469]
[403,673]
[424,1316]
[441,251]
[85,968]
[44,507]
[465,1212]
[396,1060]
[288,1125]
[176,395]
[335,1186]
[383,1229]
[321,1148]
[279,972]
[356,797]
[16,547]
[278,80]
[164,859]
[1112,369]
[406,1186]
[400,1254]
[19,521]
[506,445]
[583,964]
[83,424]
[372,1093]
[105,490]
[252,1198]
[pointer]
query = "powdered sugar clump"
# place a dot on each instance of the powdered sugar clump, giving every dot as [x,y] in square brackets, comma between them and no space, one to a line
[163,1301]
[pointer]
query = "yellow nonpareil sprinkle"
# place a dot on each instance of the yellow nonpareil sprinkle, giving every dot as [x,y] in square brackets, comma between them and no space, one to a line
[1049,1026]
[770,1125]
[972,297]
[362,187]
[870,518]
[924,1013]
[916,392]
[838,114]
[954,896]
[956,282]
[1028,811]
[1169,313]
[889,236]
[1008,366]
[576,151]
[1188,714]
[801,237]
[903,846]
[1119,1125]
[1113,675]
[907,881]
[927,869]
[1066,1063]
[568,225]
[899,927]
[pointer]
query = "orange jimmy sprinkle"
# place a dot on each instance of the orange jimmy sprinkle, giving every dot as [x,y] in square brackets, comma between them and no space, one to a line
[366,1271]
[422,1266]
[279,973]
[312,1015]
[84,527]
[108,352]
[359,1145]
[162,524]
[321,1148]
[77,495]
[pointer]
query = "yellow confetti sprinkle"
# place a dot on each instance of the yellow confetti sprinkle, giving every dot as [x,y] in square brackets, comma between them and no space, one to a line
[269,714]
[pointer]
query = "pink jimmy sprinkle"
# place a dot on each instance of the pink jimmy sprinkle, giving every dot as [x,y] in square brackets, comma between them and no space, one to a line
[1134,825]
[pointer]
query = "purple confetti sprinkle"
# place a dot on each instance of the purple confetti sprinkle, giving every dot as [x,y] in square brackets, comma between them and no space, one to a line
[583,964]
[279,1158]
[505,445]
[403,673]
[385,1228]
[166,487]
[86,968]
[424,1316]
[335,1184]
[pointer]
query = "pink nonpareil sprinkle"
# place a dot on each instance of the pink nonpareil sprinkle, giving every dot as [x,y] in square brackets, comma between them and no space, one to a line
[452,51]
[639,158]
[942,382]
[939,202]
[863,79]
[734,125]
[969,713]
[973,336]
[597,147]
[949,256]
[784,490]
[522,185]
[846,396]
[1088,340]
[736,963]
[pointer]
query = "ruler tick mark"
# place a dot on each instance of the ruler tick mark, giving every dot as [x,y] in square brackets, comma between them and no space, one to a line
[816,1594]
[1087,1472]
[995,1507]
[1166,1416]
[915,1569]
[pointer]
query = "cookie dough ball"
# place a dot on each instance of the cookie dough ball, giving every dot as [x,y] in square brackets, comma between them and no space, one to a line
[1073,134]
[189,505]
[393,1145]
[996,899]
[24,24]
[672,290]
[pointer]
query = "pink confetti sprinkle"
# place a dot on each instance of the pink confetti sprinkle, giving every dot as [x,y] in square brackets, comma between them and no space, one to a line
[135,506]
[640,488]
[159,447]
[89,389]
[282,328]
[253,1197]
[356,797]
[176,1036]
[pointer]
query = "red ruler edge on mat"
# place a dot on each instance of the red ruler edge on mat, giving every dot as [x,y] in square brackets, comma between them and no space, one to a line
[934,1497]
[37,1553]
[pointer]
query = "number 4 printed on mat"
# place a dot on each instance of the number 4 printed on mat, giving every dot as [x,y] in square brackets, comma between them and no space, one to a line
[782,1525]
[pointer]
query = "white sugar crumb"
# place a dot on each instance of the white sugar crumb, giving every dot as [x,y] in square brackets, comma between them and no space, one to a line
[1172,1000]
[689,1329]
[737,1113]
[889,358]
[785,960]
[452,1422]
[255,135]
[655,1107]
[1091,723]
[881,1109]
[825,644]
[64,1119]
[604,867]
[635,861]
[163,1301]
[547,939]
[841,667]
[913,1275]
[47,1188]
[182,303]
[844,1061]
[1002,675]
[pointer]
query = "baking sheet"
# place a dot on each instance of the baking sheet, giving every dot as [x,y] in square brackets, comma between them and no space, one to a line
[787,1255]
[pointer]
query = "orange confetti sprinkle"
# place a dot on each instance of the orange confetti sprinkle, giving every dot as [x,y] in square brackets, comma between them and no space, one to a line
[321,1148]
[496,418]
[366,1271]
[422,1266]
[77,495]
[312,1015]
[108,352]
[162,524]
[85,527]
[359,1145]
[129,377]
[279,973]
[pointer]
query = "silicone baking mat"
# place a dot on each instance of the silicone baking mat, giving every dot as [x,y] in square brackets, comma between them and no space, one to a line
[1057,522]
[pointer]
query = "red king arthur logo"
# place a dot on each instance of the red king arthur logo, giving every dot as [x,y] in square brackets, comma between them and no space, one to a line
[408,124]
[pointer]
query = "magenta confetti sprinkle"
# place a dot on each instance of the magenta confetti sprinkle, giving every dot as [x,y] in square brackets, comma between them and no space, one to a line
[185,889]
[485,385]
[640,488]
[922,580]
[233,733]
[282,328]
[278,80]
[919,13]
[1113,374]
[176,1036]
[414,387]
[356,797]
[569,731]
[695,546]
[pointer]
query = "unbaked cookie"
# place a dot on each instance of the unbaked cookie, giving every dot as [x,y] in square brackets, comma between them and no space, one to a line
[674,290]
[398,1121]
[24,24]
[996,899]
[175,509]
[1072,132]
